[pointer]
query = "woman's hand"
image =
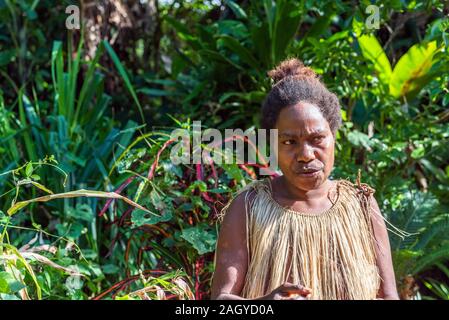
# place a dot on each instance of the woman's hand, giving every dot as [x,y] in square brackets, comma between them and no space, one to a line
[289,291]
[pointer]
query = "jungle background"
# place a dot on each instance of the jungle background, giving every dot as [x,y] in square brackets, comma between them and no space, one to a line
[91,206]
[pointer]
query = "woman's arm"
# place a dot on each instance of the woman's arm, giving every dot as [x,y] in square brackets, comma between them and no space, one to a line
[232,261]
[387,290]
[231,255]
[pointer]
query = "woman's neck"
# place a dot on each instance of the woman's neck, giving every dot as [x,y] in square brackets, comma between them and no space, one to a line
[293,193]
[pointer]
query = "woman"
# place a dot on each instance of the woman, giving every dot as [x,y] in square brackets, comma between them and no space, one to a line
[302,235]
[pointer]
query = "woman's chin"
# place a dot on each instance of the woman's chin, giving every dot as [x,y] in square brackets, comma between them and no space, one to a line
[308,181]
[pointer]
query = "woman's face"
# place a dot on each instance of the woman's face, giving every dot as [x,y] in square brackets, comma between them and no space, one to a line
[305,146]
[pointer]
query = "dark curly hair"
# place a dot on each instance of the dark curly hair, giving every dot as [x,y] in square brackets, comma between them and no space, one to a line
[294,83]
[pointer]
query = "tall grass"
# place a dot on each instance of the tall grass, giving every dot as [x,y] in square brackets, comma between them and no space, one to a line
[60,148]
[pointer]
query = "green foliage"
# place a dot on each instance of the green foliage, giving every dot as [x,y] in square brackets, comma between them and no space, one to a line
[411,73]
[202,239]
[67,138]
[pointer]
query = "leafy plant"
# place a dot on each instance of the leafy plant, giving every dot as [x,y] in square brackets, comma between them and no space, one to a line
[207,63]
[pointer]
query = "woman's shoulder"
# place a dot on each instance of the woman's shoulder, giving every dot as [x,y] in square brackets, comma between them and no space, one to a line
[356,191]
[238,200]
[357,187]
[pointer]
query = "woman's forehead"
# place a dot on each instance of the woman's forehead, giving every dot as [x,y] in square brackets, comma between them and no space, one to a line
[301,119]
[299,132]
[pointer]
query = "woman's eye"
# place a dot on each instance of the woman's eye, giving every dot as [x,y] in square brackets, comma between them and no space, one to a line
[288,142]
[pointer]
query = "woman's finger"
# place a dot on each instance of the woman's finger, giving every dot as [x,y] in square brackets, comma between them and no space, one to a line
[289,288]
[296,296]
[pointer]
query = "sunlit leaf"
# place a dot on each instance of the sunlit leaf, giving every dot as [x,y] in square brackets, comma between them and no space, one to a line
[411,73]
[372,50]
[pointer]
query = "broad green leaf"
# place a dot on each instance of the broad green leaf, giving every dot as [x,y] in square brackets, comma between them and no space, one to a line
[72,231]
[288,15]
[411,73]
[81,212]
[8,284]
[155,202]
[27,266]
[29,169]
[201,238]
[418,152]
[4,286]
[436,29]
[372,50]
[140,218]
[261,42]
[270,11]
[233,171]
[16,286]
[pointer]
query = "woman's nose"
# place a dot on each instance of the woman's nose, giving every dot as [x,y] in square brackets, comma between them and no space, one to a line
[305,153]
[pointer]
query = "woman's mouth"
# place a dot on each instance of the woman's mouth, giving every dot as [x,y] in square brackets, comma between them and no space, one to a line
[308,173]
